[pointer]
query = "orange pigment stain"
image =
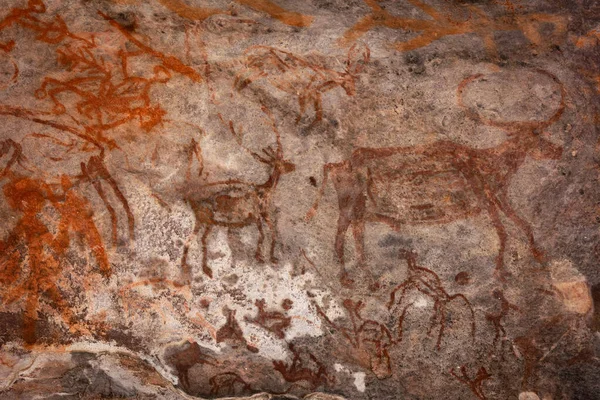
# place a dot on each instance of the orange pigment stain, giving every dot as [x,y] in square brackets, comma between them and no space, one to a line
[266,6]
[190,12]
[45,250]
[277,12]
[440,25]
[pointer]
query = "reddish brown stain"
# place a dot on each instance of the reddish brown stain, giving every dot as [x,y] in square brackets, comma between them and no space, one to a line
[169,62]
[195,13]
[52,32]
[45,250]
[462,278]
[279,13]
[266,6]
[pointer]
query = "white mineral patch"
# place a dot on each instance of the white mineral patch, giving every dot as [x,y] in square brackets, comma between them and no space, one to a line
[359,381]
[421,302]
[359,377]
[274,284]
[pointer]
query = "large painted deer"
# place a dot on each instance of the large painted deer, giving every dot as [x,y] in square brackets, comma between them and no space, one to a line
[301,77]
[237,204]
[447,182]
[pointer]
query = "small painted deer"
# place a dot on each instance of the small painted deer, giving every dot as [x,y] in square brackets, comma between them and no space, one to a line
[301,77]
[447,181]
[237,204]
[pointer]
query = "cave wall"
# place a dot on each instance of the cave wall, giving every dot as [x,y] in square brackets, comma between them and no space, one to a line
[318,199]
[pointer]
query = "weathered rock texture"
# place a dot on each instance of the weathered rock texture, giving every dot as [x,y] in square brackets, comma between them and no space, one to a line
[317,199]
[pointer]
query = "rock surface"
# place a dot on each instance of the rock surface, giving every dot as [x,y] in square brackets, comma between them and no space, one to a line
[319,199]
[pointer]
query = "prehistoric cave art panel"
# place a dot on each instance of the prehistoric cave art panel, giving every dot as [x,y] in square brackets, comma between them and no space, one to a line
[98,157]
[443,181]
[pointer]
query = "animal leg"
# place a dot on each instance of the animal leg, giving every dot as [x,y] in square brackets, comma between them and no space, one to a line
[205,268]
[318,106]
[434,316]
[468,304]
[267,218]
[497,222]
[185,267]
[442,311]
[340,239]
[358,231]
[100,190]
[30,316]
[261,239]
[302,106]
[97,170]
[523,225]
[400,331]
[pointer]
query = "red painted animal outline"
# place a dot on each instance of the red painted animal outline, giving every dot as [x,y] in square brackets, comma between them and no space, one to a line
[475,384]
[487,173]
[275,322]
[222,195]
[296,371]
[311,90]
[78,51]
[429,283]
[113,103]
[93,171]
[496,319]
[224,384]
[365,332]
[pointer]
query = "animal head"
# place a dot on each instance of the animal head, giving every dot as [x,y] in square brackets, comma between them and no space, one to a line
[274,157]
[529,135]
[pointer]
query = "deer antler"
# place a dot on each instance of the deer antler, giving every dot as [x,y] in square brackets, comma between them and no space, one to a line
[269,152]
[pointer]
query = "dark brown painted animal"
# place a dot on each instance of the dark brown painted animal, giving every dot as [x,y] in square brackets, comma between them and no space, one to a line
[437,183]
[236,204]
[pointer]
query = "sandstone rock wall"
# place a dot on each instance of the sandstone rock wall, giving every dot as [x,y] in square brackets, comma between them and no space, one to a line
[319,199]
